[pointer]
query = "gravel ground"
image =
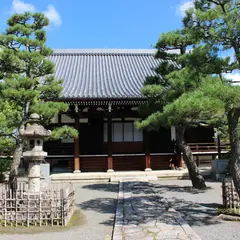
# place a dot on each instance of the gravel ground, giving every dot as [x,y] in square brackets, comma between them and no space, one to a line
[97,203]
[198,208]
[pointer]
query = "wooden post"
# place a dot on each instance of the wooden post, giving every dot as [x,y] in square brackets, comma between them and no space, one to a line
[76,148]
[147,152]
[148,161]
[109,139]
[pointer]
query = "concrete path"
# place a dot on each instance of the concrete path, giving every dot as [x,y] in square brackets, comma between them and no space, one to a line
[144,214]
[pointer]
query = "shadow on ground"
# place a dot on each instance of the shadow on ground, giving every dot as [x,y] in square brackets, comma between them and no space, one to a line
[179,189]
[113,187]
[195,213]
[107,187]
[101,205]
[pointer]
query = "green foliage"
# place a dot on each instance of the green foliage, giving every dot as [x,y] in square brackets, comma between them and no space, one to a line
[190,109]
[48,110]
[9,116]
[5,164]
[65,132]
[184,98]
[216,23]
[227,93]
[7,146]
[229,211]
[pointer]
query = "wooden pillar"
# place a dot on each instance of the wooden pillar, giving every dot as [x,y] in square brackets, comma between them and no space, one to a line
[76,147]
[148,161]
[147,151]
[109,140]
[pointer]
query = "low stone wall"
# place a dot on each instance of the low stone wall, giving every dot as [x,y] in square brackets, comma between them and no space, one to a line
[53,206]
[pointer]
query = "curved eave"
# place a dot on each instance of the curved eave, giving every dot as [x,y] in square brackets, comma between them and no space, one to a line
[103,101]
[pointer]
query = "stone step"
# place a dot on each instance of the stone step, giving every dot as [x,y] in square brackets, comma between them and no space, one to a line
[133,178]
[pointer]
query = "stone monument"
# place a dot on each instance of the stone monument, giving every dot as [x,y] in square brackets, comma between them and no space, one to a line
[34,135]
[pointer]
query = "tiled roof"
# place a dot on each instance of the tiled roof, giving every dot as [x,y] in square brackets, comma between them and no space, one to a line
[103,73]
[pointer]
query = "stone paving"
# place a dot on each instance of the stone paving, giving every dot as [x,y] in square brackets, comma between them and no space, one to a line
[144,214]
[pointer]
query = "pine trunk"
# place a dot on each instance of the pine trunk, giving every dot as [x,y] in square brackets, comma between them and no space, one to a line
[15,165]
[233,117]
[195,176]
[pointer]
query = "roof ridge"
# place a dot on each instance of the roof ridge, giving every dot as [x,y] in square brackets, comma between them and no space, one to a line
[104,51]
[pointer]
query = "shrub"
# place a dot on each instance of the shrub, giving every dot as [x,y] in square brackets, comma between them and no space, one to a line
[5,163]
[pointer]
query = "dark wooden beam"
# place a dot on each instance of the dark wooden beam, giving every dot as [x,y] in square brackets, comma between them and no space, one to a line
[118,113]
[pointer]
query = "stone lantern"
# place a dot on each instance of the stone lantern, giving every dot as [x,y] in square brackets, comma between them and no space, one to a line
[34,135]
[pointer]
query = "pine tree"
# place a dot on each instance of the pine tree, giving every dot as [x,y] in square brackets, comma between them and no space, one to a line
[28,84]
[175,95]
[217,24]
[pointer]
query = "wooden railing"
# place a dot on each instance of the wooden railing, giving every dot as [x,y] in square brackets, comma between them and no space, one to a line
[67,148]
[208,147]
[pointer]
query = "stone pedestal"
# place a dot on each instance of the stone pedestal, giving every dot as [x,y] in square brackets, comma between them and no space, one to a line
[34,176]
[219,168]
[148,170]
[34,172]
[45,174]
[45,171]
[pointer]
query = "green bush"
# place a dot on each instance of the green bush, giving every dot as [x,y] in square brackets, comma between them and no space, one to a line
[5,164]
[229,211]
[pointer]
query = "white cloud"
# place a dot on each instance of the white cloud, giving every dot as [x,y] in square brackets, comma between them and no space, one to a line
[19,6]
[235,77]
[52,14]
[182,8]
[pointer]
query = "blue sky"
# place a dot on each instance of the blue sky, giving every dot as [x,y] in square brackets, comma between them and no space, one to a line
[102,23]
